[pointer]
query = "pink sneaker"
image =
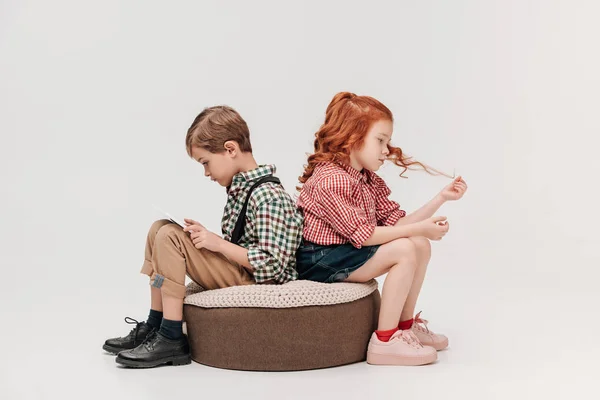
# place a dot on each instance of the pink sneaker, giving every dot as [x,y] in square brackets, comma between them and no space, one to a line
[427,337]
[402,349]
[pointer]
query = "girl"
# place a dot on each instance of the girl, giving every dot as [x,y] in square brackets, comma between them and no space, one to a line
[354,233]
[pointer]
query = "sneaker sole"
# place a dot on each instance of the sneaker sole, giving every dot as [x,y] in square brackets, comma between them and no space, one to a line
[390,359]
[441,346]
[176,360]
[437,346]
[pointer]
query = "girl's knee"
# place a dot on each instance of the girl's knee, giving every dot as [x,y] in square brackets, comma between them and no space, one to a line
[403,249]
[422,244]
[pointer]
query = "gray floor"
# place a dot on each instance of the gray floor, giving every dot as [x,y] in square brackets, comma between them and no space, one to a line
[515,344]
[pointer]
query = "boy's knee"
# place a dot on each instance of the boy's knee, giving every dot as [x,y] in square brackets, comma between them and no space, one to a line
[157,225]
[168,232]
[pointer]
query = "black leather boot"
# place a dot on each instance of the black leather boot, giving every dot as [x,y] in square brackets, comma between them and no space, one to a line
[131,341]
[157,350]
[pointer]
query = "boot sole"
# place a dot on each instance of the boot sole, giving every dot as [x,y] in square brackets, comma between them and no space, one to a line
[113,350]
[174,360]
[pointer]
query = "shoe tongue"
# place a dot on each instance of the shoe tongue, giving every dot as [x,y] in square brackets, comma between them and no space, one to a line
[407,332]
[415,339]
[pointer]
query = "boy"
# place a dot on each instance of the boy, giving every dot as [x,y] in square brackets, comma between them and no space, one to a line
[261,253]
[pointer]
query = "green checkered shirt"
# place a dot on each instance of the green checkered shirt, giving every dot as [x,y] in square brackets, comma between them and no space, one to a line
[273,225]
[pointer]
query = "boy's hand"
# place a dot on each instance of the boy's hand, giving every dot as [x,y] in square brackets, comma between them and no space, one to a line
[191,225]
[202,237]
[434,228]
[454,190]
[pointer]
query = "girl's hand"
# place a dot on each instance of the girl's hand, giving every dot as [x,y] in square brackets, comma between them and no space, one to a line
[202,237]
[454,190]
[434,228]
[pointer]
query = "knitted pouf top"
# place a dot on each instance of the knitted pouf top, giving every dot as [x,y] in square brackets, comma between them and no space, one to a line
[300,293]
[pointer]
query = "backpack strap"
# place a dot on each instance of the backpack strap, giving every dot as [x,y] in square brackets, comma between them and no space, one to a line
[238,231]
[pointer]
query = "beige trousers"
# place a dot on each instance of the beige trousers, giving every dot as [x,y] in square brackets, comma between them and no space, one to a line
[170,255]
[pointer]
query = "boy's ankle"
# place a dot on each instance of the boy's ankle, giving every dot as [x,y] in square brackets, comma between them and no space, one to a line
[155,318]
[171,329]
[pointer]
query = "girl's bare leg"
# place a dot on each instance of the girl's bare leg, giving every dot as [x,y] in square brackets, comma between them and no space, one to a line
[398,259]
[423,252]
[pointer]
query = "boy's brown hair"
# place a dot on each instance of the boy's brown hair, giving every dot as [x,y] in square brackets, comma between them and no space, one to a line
[216,125]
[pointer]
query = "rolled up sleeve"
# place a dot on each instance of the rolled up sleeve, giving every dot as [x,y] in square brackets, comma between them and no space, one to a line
[387,211]
[341,211]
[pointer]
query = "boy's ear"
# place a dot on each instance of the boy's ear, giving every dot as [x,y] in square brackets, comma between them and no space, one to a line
[231,147]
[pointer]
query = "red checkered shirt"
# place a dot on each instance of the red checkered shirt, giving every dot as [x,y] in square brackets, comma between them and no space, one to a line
[341,204]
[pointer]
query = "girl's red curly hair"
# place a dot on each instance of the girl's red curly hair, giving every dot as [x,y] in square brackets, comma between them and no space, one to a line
[347,121]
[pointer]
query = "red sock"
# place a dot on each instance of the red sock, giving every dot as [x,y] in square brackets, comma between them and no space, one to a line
[404,325]
[385,336]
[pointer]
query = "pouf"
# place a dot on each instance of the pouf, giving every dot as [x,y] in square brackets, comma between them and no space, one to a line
[296,326]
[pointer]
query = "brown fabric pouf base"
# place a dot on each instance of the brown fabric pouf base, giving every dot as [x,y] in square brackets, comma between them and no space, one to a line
[282,339]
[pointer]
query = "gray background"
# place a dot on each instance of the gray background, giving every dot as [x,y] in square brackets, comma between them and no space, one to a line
[95,100]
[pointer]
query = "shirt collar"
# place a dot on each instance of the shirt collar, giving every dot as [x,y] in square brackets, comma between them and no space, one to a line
[361,176]
[241,178]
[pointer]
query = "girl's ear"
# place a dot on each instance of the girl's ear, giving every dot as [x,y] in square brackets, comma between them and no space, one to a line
[231,147]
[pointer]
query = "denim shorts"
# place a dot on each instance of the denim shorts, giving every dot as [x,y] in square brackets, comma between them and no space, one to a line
[330,263]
